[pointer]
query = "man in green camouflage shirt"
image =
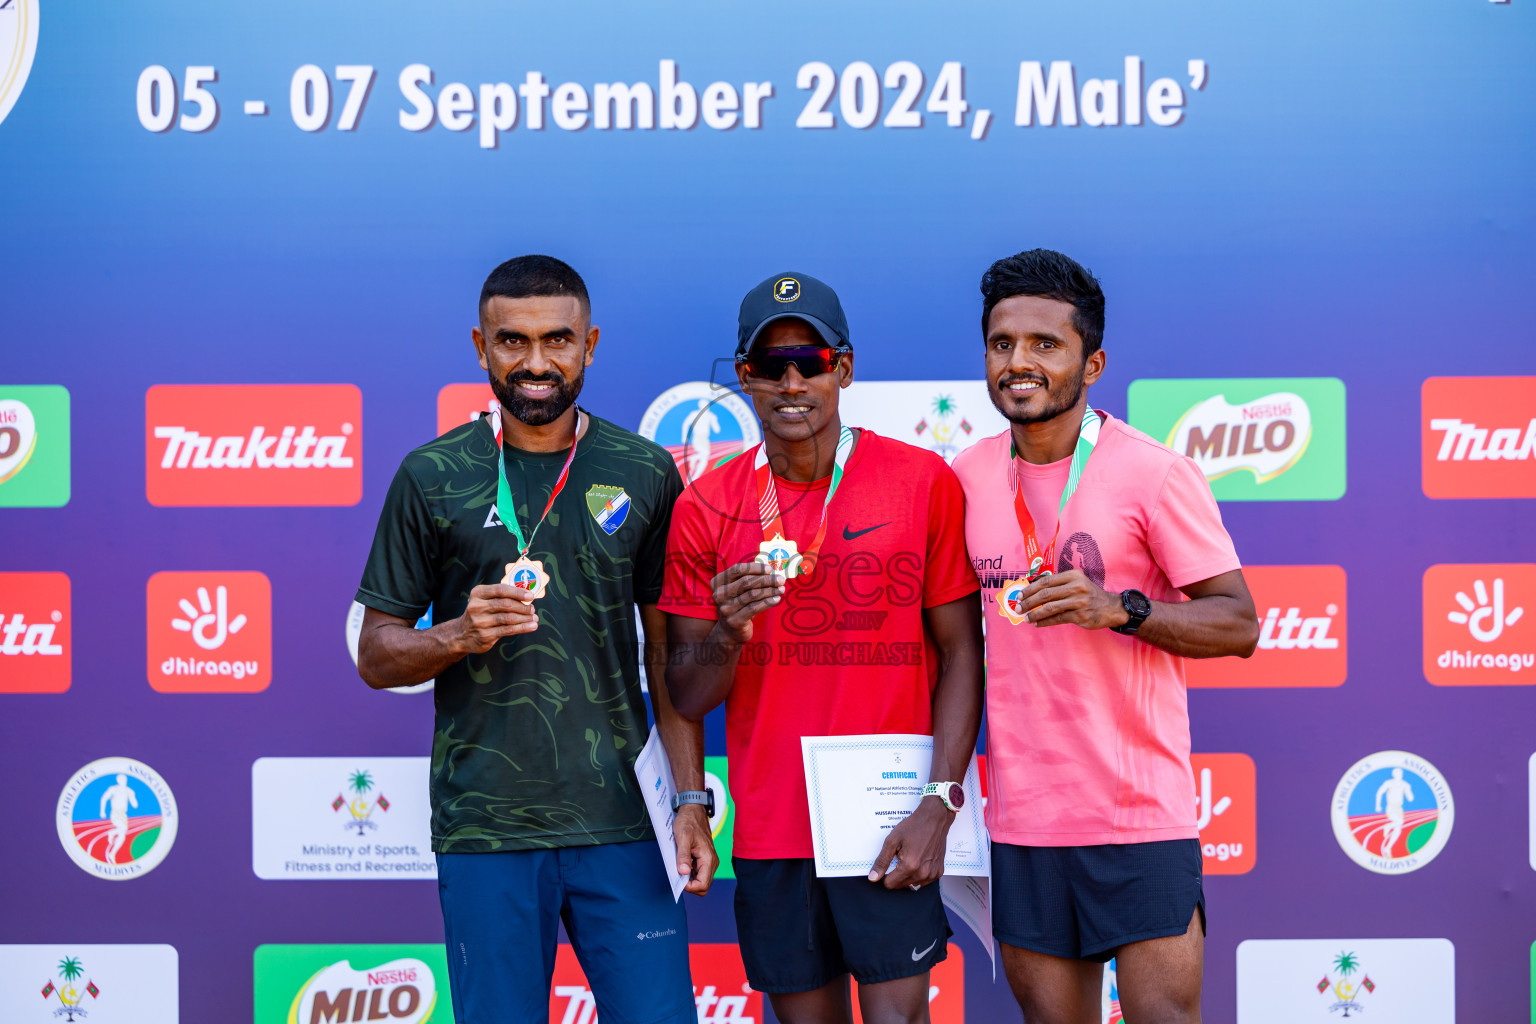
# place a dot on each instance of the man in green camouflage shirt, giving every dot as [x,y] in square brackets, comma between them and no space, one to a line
[533,533]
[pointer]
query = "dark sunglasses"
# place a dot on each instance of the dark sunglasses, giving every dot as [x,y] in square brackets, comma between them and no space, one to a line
[773,363]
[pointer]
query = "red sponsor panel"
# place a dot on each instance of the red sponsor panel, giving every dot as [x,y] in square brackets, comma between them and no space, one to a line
[209,632]
[253,444]
[721,994]
[1479,437]
[457,404]
[34,632]
[946,991]
[1303,634]
[1226,803]
[1480,625]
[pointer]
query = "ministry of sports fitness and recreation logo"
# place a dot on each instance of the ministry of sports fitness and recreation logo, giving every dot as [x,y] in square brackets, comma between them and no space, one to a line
[1293,981]
[1479,437]
[355,631]
[209,632]
[1256,439]
[253,444]
[944,416]
[361,802]
[1303,631]
[338,818]
[322,984]
[1478,630]
[34,439]
[34,632]
[1393,812]
[1346,984]
[700,424]
[18,44]
[88,983]
[116,818]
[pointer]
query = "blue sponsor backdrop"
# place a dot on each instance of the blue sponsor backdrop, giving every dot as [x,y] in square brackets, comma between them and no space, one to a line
[1347,194]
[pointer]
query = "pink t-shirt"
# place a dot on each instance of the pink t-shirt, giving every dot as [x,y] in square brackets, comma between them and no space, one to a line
[1088,730]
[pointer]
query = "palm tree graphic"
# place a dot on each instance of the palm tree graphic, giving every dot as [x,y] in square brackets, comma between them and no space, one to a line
[1346,964]
[70,970]
[360,782]
[944,406]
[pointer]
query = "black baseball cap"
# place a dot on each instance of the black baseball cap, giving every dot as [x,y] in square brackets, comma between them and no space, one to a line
[792,296]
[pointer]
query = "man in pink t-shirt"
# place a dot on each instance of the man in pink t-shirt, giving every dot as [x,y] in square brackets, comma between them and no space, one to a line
[1088,537]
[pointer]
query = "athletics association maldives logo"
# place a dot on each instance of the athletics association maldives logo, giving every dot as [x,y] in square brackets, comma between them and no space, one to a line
[18,45]
[117,818]
[700,424]
[253,444]
[1393,812]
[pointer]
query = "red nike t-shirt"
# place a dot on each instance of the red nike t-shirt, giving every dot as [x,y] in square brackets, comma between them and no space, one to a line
[845,653]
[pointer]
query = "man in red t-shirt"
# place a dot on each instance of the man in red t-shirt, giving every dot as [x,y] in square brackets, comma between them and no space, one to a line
[819,586]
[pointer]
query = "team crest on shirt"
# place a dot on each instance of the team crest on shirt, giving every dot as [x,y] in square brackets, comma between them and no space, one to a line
[609,506]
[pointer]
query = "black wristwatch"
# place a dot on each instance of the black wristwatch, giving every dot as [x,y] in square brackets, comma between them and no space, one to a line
[696,796]
[1137,607]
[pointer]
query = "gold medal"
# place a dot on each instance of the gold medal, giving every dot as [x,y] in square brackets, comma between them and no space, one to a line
[1010,604]
[780,555]
[527,575]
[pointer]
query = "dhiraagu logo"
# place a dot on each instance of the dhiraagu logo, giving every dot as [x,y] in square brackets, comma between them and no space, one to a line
[1257,438]
[34,445]
[329,984]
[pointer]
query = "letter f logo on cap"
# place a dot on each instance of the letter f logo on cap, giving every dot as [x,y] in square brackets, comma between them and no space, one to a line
[786,289]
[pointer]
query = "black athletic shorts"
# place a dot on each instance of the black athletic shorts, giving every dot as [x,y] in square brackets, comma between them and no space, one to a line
[799,932]
[1085,902]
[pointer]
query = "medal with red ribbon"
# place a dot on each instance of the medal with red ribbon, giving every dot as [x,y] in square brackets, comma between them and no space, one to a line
[776,551]
[1010,597]
[526,574]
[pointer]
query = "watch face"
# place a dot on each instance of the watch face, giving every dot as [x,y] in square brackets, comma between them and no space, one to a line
[1138,604]
[956,795]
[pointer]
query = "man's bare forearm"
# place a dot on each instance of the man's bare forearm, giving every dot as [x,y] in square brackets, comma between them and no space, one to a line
[1214,626]
[701,668]
[958,696]
[391,654]
[683,738]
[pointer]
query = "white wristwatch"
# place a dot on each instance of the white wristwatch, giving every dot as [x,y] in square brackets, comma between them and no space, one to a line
[951,793]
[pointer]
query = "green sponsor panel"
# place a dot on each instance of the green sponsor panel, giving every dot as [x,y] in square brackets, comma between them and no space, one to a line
[1533,983]
[1255,438]
[724,823]
[34,446]
[329,984]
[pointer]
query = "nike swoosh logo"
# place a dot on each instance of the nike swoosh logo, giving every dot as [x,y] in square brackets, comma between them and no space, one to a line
[855,534]
[916,956]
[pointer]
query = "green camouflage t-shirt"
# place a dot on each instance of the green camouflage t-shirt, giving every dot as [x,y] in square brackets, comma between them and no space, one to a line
[535,739]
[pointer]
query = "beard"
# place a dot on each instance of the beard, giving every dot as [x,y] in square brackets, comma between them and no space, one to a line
[1058,400]
[536,412]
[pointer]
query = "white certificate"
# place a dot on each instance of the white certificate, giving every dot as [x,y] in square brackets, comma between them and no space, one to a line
[861,787]
[654,773]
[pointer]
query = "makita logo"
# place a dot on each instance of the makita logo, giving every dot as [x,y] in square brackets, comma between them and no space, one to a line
[1303,631]
[296,444]
[1291,632]
[1468,441]
[23,637]
[34,632]
[1265,436]
[286,448]
[1478,437]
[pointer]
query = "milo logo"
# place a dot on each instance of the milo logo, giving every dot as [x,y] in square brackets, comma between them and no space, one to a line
[34,446]
[333,984]
[1255,439]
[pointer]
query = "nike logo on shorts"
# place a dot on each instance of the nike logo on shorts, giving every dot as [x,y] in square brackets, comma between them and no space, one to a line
[916,956]
[854,534]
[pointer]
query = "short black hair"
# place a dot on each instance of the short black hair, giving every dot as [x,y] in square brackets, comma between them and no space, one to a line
[525,276]
[1051,275]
